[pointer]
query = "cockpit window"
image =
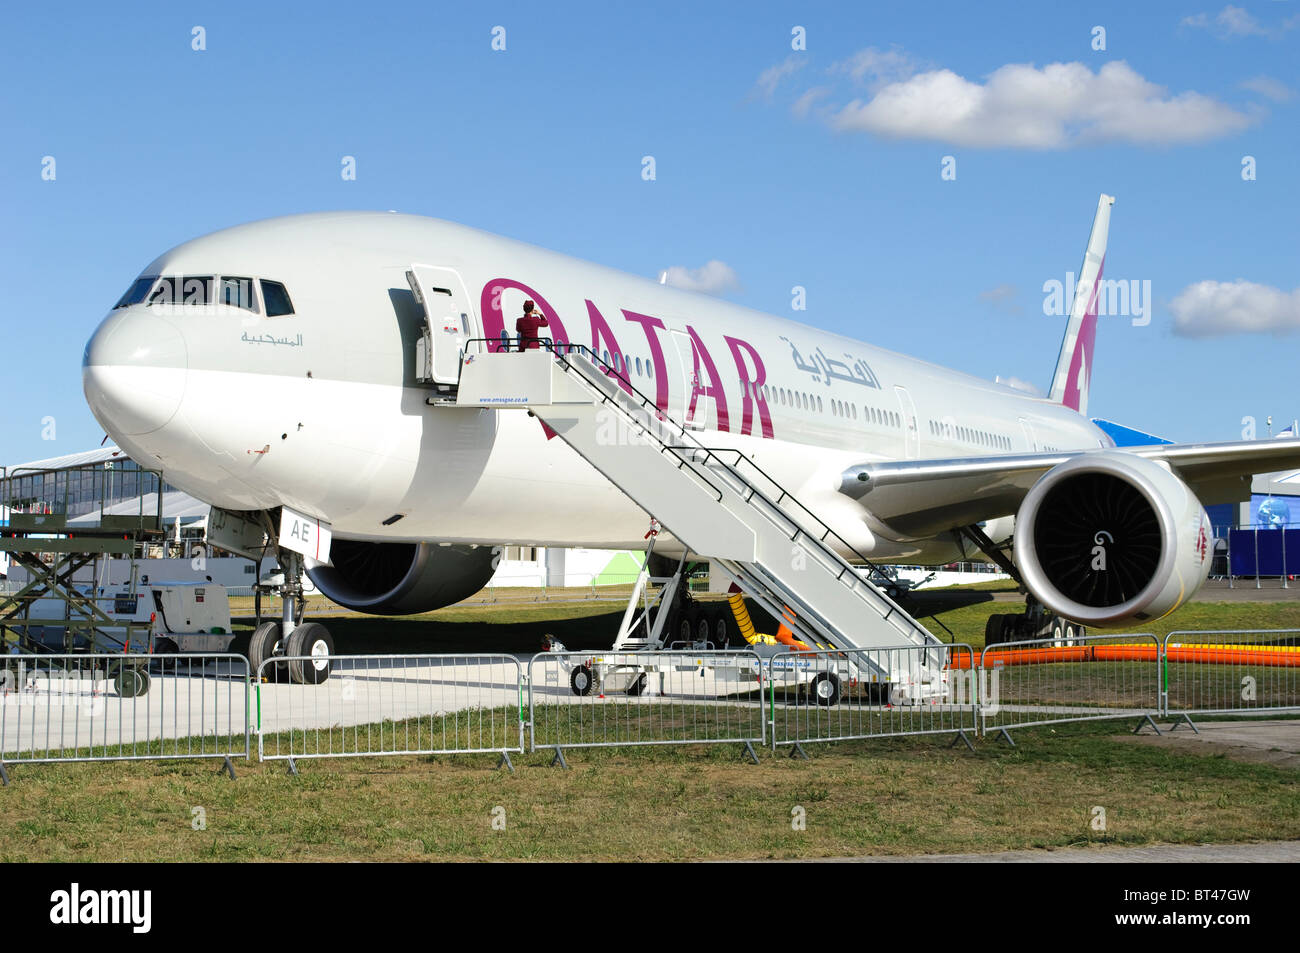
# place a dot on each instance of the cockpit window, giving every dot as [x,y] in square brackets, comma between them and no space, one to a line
[136,293]
[237,292]
[187,290]
[276,299]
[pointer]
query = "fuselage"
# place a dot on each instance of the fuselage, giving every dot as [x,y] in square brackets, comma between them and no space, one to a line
[320,409]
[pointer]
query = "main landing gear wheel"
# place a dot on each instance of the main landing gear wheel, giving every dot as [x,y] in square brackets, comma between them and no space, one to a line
[685,629]
[721,632]
[580,680]
[312,640]
[262,647]
[825,689]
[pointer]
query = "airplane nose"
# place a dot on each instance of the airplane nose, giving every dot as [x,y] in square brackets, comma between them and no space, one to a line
[134,372]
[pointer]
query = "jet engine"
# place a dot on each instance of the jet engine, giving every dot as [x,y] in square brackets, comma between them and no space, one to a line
[401,578]
[1109,539]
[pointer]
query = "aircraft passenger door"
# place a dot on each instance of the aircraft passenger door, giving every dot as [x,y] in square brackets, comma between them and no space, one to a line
[1031,439]
[911,426]
[449,323]
[685,354]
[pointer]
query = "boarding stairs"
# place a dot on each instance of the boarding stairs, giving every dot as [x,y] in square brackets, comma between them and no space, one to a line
[717,503]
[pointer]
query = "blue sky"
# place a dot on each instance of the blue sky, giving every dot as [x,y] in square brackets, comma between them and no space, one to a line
[784,181]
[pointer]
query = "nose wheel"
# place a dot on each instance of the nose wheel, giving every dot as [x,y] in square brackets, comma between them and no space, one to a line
[290,649]
[310,648]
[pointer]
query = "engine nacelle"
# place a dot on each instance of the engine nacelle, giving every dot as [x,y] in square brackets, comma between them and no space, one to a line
[401,578]
[1110,538]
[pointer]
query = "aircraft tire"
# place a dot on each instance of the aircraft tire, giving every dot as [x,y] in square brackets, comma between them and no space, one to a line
[314,640]
[261,647]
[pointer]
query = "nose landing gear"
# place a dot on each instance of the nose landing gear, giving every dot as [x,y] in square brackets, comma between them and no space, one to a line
[299,651]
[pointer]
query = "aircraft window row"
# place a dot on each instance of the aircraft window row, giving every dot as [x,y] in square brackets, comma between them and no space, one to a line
[882,418]
[983,438]
[787,398]
[231,290]
[622,363]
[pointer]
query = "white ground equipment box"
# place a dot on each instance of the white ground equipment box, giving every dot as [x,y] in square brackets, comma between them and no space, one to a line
[188,617]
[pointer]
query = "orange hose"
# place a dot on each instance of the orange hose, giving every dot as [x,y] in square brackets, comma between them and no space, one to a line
[785,635]
[1227,655]
[1234,655]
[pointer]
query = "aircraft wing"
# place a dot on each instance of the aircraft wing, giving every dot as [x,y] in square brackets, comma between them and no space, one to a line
[920,498]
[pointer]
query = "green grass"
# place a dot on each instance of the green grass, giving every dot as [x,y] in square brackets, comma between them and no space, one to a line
[883,797]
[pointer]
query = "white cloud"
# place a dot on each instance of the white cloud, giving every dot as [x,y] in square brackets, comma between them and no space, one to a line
[877,67]
[1233,21]
[771,78]
[1003,297]
[1269,88]
[804,104]
[1058,106]
[713,278]
[1214,308]
[1237,22]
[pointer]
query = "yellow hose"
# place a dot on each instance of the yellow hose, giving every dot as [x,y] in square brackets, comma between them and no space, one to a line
[745,623]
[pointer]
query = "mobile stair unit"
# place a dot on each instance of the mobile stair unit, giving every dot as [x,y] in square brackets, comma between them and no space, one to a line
[718,504]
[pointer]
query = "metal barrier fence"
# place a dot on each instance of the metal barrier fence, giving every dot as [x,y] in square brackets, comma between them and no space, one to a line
[836,695]
[379,705]
[611,699]
[114,707]
[1230,672]
[1091,678]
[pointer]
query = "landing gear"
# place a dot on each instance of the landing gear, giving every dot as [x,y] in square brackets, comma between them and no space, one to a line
[302,650]
[1032,625]
[722,629]
[312,641]
[264,645]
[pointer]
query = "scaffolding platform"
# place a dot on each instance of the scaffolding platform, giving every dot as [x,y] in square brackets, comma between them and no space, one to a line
[53,523]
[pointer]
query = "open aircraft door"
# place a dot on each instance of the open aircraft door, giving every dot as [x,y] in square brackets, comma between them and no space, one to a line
[449,322]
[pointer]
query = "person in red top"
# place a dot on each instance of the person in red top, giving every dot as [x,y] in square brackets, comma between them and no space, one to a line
[527,327]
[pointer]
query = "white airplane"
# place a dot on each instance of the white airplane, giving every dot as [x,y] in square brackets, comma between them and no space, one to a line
[308,366]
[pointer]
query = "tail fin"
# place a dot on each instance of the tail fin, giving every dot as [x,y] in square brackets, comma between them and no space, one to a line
[1074,363]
